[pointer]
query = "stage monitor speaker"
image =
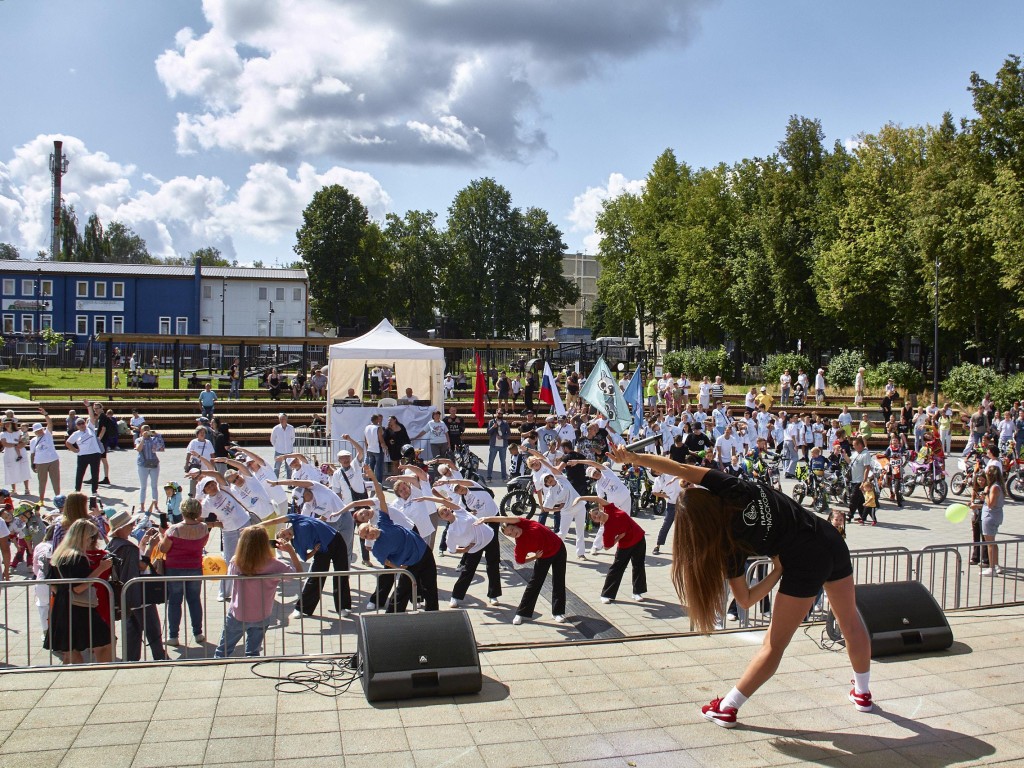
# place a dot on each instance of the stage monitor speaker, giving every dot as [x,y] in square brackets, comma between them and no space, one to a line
[903,617]
[405,656]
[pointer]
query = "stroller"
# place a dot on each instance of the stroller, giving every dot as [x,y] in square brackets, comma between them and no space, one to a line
[799,395]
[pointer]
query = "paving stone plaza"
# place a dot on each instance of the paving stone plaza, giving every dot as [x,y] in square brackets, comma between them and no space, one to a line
[610,688]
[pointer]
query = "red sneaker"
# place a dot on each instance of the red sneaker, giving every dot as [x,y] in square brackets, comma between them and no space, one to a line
[723,716]
[862,701]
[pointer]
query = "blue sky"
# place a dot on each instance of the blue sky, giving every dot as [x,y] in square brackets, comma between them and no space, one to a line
[220,135]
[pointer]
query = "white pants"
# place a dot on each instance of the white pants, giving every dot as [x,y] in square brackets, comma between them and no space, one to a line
[599,539]
[579,516]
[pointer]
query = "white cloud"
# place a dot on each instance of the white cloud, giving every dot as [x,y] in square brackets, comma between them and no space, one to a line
[587,205]
[396,81]
[174,216]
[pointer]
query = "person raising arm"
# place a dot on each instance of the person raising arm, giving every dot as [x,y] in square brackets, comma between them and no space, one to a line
[726,520]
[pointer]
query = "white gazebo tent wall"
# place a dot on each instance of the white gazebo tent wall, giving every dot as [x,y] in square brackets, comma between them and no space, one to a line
[415,365]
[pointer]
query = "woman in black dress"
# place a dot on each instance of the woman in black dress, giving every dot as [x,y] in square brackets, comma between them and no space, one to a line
[274,384]
[221,443]
[720,524]
[75,621]
[395,437]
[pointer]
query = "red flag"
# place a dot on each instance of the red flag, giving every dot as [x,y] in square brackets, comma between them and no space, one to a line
[479,391]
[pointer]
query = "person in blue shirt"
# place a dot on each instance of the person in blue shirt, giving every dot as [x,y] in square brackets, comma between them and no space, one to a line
[394,546]
[207,399]
[312,537]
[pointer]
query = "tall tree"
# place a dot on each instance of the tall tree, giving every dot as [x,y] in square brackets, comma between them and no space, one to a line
[505,266]
[70,240]
[341,248]
[620,285]
[8,252]
[868,281]
[416,252]
[124,246]
[94,243]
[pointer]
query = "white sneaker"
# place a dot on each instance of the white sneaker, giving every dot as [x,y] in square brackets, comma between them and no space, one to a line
[606,600]
[990,571]
[453,603]
[221,598]
[595,551]
[562,619]
[371,606]
[638,598]
[344,613]
[517,619]
[492,600]
[296,614]
[200,638]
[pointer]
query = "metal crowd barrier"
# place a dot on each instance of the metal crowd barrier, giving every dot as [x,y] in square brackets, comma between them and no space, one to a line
[37,620]
[944,569]
[322,634]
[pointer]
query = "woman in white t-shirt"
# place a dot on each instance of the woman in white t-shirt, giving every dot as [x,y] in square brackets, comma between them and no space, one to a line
[704,393]
[44,456]
[16,462]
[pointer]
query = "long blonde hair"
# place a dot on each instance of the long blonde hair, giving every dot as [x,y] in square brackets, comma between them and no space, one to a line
[76,542]
[253,550]
[702,546]
[76,507]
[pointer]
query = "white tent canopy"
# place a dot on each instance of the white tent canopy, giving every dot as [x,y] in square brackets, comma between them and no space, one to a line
[416,365]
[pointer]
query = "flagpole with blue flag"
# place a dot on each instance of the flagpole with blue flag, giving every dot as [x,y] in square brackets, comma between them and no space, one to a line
[602,391]
[634,396]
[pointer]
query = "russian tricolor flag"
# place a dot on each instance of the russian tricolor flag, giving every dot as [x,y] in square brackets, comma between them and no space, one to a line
[549,391]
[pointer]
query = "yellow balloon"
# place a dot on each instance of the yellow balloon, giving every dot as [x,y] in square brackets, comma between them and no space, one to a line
[214,565]
[957,513]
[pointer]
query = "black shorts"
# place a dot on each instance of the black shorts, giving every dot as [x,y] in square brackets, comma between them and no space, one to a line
[820,557]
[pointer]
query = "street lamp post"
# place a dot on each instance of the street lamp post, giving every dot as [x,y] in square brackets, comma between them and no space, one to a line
[935,341]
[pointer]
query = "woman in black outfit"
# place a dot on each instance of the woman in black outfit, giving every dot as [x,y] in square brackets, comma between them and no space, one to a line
[221,443]
[721,524]
[395,436]
[274,384]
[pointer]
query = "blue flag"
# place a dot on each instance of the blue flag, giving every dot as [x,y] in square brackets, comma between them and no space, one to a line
[634,397]
[602,391]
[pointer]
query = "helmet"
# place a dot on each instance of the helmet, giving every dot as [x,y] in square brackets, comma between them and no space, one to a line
[408,452]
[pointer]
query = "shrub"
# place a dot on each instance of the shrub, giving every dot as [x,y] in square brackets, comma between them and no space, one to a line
[905,376]
[1008,389]
[698,362]
[842,369]
[774,365]
[968,383]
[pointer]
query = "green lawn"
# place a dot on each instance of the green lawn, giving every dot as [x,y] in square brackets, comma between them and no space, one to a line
[17,382]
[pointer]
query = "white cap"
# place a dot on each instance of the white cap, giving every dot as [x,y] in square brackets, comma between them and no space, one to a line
[344,454]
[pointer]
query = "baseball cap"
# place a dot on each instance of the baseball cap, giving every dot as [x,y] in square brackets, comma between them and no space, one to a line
[344,454]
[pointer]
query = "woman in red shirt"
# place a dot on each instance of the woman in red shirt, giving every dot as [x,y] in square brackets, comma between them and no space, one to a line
[621,532]
[540,545]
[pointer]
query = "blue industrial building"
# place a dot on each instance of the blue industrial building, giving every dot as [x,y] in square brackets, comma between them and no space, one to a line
[83,300]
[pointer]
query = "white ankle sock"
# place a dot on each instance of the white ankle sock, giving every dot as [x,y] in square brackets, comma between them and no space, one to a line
[733,699]
[862,682]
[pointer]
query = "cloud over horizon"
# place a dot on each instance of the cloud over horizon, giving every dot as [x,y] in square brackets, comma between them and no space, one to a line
[405,81]
[174,216]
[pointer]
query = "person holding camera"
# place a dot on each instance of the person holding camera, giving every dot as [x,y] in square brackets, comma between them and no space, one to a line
[183,545]
[147,445]
[129,561]
[252,601]
[498,434]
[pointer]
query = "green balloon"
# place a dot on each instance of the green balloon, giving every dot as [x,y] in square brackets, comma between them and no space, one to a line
[957,513]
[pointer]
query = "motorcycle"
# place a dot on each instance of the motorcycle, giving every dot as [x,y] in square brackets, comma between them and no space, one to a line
[520,500]
[802,486]
[963,479]
[468,463]
[929,473]
[892,475]
[767,470]
[638,481]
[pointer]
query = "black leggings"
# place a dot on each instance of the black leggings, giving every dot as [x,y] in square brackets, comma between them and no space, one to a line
[634,555]
[92,461]
[556,564]
[470,562]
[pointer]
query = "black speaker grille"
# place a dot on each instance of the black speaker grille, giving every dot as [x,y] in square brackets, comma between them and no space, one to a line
[422,641]
[901,607]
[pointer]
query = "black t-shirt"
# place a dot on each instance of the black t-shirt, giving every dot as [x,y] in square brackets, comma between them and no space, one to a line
[456,426]
[677,452]
[578,473]
[770,524]
[696,442]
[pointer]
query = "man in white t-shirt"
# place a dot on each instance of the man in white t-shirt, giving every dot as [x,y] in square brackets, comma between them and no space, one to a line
[785,381]
[373,439]
[725,446]
[282,438]
[437,436]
